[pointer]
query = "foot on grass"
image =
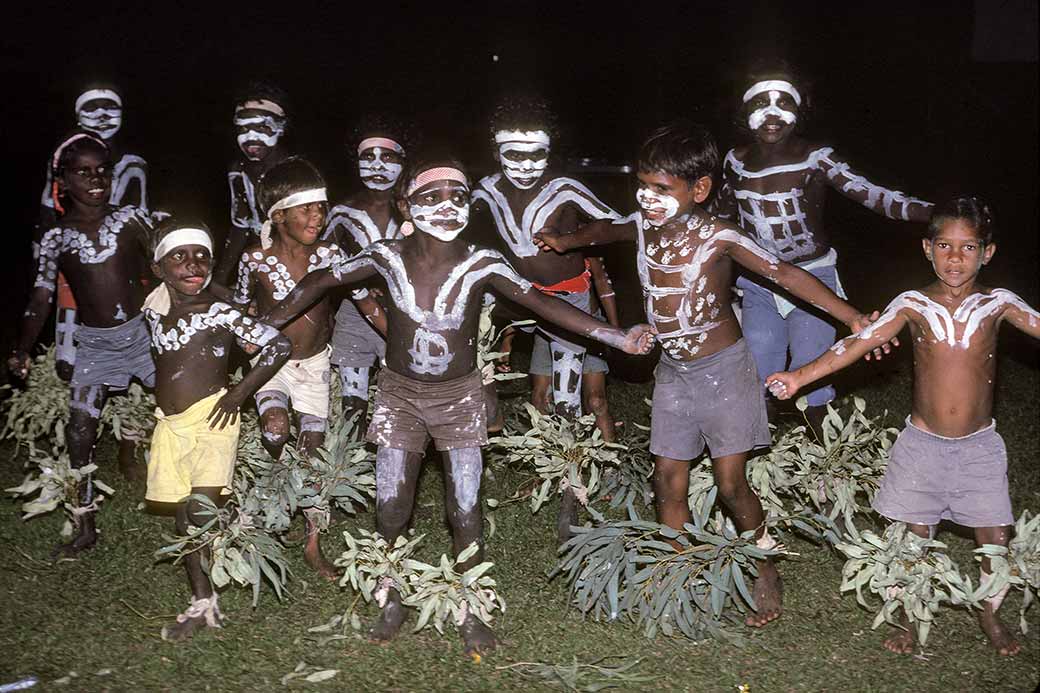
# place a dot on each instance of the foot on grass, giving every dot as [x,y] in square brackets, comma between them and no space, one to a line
[391,617]
[477,637]
[84,539]
[768,595]
[312,554]
[999,636]
[568,516]
[901,643]
[203,613]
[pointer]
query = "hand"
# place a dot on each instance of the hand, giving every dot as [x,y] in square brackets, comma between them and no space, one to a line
[19,363]
[639,339]
[225,411]
[864,321]
[782,385]
[548,239]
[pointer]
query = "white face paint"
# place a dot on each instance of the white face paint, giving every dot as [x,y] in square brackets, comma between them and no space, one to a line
[657,208]
[758,116]
[444,220]
[102,117]
[249,132]
[377,173]
[524,156]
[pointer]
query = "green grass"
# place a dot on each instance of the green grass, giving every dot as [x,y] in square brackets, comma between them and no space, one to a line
[104,612]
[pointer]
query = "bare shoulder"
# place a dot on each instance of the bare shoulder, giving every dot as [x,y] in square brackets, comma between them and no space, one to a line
[738,152]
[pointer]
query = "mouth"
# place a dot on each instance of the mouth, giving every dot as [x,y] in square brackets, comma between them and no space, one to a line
[96,193]
[254,149]
[773,127]
[194,281]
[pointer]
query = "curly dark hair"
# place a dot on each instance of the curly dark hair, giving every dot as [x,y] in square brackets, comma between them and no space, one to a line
[968,208]
[681,148]
[292,175]
[385,124]
[258,89]
[525,113]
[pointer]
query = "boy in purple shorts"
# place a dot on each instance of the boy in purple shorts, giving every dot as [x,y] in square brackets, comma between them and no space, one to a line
[949,462]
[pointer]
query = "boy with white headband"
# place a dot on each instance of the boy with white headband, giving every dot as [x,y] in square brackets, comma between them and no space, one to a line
[196,434]
[774,188]
[707,392]
[367,216]
[430,387]
[102,251]
[293,195]
[949,463]
[260,120]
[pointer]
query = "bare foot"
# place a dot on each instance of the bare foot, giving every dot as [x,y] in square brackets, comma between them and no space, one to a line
[477,637]
[568,516]
[182,630]
[999,636]
[84,539]
[203,613]
[901,643]
[391,616]
[313,556]
[768,595]
[498,424]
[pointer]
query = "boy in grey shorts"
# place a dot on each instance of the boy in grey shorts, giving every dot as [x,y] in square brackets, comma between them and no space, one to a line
[949,462]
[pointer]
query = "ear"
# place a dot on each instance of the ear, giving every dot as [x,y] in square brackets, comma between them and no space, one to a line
[701,189]
[278,217]
[402,207]
[926,244]
[988,252]
[157,270]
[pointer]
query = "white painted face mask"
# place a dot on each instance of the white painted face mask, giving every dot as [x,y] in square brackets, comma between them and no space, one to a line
[103,122]
[774,87]
[275,126]
[525,172]
[427,218]
[369,170]
[649,201]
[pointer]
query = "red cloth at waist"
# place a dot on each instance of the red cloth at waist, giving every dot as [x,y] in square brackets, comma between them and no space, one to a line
[575,285]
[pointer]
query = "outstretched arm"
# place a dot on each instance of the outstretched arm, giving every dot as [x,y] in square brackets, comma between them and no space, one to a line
[604,290]
[600,232]
[844,352]
[1022,316]
[339,272]
[39,307]
[369,307]
[891,203]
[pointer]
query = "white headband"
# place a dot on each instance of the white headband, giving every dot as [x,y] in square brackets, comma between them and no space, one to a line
[383,142]
[526,136]
[772,85]
[91,94]
[179,237]
[300,198]
[432,174]
[261,105]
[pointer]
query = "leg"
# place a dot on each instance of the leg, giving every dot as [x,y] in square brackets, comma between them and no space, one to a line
[810,337]
[396,474]
[64,346]
[128,466]
[354,395]
[903,641]
[540,392]
[312,437]
[765,332]
[594,398]
[671,489]
[463,468]
[540,373]
[566,389]
[745,508]
[273,406]
[85,405]
[999,636]
[203,610]
[495,418]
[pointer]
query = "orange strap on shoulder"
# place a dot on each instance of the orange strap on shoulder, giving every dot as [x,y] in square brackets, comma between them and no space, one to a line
[65,297]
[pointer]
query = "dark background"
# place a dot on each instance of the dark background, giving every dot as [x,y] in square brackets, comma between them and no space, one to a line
[926,97]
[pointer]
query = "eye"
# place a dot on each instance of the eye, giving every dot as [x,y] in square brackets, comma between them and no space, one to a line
[428,198]
[942,244]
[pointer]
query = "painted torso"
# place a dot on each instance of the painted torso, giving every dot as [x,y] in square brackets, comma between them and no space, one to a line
[355,229]
[245,214]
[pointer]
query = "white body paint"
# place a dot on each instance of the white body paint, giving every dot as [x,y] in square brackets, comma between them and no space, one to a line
[526,172]
[358,225]
[425,218]
[555,194]
[274,124]
[282,282]
[466,468]
[649,201]
[243,190]
[429,353]
[58,241]
[367,170]
[218,315]
[758,116]
[353,382]
[128,169]
[104,122]
[389,473]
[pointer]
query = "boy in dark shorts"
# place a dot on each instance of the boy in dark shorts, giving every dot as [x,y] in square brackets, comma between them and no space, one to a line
[196,433]
[430,387]
[706,390]
[261,118]
[949,462]
[292,194]
[102,251]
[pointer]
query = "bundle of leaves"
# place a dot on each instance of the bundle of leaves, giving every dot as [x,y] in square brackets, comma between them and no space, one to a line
[488,339]
[911,575]
[439,592]
[131,415]
[692,582]
[41,410]
[629,483]
[1017,564]
[52,483]
[610,671]
[564,453]
[240,549]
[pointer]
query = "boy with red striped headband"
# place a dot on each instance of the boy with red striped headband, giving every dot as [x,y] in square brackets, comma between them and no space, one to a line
[430,387]
[293,195]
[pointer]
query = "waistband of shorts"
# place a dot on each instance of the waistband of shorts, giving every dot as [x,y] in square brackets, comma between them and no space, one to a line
[737,348]
[318,358]
[578,284]
[86,333]
[193,414]
[428,387]
[985,429]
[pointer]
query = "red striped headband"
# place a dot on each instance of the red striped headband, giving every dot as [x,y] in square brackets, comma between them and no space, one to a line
[383,142]
[61,147]
[438,173]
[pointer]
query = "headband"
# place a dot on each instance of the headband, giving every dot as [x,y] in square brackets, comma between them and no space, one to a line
[261,105]
[298,198]
[432,174]
[528,136]
[61,147]
[179,237]
[384,142]
[91,94]
[772,85]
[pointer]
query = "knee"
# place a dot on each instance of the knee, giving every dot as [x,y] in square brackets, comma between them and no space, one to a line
[275,431]
[731,489]
[392,515]
[596,402]
[671,481]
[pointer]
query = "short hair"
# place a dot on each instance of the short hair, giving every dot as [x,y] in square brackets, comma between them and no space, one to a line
[776,69]
[172,223]
[70,145]
[382,123]
[261,90]
[292,175]
[681,148]
[526,113]
[401,188]
[967,208]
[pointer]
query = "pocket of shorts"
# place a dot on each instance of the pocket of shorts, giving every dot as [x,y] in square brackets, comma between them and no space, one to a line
[664,374]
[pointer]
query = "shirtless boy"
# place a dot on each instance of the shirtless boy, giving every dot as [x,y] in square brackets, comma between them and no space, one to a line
[292,195]
[430,387]
[196,436]
[102,251]
[707,390]
[949,462]
[774,188]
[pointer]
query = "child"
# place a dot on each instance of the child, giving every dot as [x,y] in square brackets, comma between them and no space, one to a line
[196,435]
[949,462]
[707,389]
[429,386]
[261,119]
[102,251]
[365,217]
[292,194]
[774,188]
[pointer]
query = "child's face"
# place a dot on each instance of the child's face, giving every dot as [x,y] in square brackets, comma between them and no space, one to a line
[772,110]
[957,253]
[523,156]
[87,178]
[663,197]
[440,208]
[103,117]
[302,223]
[185,269]
[257,132]
[379,167]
